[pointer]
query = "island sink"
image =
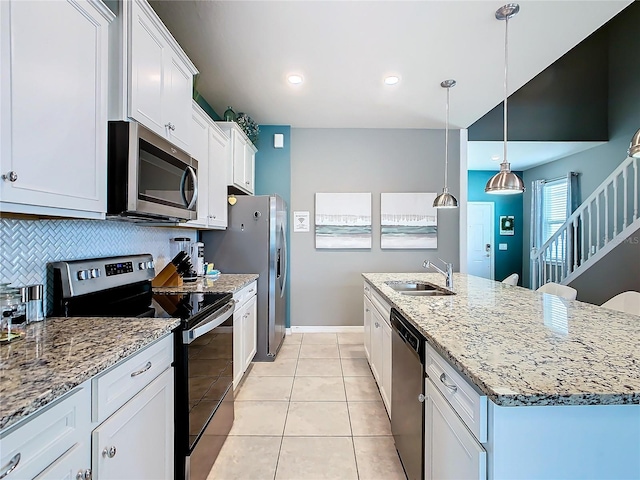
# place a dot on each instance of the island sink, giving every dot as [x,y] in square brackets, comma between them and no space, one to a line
[419,289]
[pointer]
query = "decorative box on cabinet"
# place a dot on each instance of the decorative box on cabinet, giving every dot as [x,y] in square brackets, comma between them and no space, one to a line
[241,160]
[151,78]
[245,340]
[53,147]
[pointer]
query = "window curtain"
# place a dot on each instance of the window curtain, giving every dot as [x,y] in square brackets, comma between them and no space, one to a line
[537,230]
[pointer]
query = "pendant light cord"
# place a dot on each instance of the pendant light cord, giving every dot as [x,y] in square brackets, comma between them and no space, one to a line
[446,142]
[506,71]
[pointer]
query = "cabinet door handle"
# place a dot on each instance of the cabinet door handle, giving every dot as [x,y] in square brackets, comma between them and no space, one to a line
[377,325]
[12,177]
[421,398]
[86,475]
[366,309]
[170,126]
[11,466]
[142,370]
[109,452]
[451,387]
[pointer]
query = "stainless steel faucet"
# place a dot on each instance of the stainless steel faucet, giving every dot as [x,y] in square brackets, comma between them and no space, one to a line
[448,274]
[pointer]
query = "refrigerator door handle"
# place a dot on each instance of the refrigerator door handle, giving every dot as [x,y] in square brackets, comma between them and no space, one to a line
[284,260]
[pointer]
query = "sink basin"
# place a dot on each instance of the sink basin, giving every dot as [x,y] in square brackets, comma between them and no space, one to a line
[426,293]
[418,289]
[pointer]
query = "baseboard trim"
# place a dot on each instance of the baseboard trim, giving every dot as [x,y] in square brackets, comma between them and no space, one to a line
[325,329]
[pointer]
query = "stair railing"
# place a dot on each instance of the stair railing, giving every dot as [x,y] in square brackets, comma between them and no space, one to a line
[594,225]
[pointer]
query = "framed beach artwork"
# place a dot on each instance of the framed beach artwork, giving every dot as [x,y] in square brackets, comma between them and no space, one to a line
[408,220]
[343,220]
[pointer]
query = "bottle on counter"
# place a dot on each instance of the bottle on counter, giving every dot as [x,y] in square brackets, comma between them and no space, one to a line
[13,313]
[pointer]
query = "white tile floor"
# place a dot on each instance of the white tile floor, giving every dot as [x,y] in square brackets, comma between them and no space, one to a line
[314,413]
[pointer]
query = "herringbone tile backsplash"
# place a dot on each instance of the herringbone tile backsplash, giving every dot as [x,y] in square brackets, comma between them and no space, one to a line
[26,246]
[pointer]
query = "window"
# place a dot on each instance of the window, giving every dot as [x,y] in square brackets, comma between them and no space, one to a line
[554,214]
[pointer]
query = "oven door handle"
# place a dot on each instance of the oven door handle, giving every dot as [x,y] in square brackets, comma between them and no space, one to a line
[213,321]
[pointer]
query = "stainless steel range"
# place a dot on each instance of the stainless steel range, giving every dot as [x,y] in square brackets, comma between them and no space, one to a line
[203,345]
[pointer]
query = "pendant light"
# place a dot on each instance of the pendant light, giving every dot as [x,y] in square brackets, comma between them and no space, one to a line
[505,182]
[445,199]
[634,146]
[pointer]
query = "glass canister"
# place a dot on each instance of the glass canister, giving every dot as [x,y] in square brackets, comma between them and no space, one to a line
[13,314]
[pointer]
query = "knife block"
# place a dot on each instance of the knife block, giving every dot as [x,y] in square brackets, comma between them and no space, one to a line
[168,277]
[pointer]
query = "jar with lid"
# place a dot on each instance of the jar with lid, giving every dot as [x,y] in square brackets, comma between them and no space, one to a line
[13,314]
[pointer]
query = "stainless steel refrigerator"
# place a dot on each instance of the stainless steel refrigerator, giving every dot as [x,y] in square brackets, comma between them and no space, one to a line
[255,241]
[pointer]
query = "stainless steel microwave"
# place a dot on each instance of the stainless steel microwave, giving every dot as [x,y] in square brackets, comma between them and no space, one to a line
[149,179]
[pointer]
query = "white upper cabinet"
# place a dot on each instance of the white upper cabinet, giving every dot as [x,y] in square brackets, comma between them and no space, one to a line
[209,148]
[53,107]
[218,155]
[151,76]
[241,160]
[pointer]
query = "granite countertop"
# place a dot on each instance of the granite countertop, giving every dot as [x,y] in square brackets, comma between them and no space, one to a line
[59,354]
[521,347]
[226,282]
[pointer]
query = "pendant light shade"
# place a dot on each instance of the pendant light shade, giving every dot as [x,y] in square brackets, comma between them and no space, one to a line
[634,146]
[445,199]
[505,182]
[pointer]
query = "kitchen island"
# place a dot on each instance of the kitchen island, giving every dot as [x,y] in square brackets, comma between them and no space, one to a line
[562,377]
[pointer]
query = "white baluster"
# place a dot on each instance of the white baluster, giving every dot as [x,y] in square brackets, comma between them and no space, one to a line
[615,207]
[635,188]
[575,242]
[598,222]
[590,233]
[624,198]
[606,215]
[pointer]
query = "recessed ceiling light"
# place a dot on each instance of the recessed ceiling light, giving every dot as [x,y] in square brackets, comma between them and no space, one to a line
[295,79]
[391,80]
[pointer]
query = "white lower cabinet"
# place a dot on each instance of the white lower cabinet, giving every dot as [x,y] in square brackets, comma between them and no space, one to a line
[70,465]
[378,341]
[245,331]
[39,443]
[451,451]
[130,409]
[137,440]
[368,307]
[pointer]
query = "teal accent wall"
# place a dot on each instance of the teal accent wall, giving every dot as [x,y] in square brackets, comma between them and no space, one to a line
[506,261]
[273,175]
[205,106]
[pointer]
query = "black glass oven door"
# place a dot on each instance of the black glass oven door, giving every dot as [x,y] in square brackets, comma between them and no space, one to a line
[210,374]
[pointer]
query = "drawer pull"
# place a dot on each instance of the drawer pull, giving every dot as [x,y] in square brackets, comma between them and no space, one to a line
[451,387]
[109,452]
[421,398]
[11,466]
[142,370]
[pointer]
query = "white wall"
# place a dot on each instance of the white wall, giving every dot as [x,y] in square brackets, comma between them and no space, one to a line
[326,285]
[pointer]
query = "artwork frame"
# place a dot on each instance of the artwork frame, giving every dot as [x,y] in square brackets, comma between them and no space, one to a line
[408,221]
[507,225]
[343,221]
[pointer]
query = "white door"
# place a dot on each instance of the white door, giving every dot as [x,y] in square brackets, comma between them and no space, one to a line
[137,440]
[480,224]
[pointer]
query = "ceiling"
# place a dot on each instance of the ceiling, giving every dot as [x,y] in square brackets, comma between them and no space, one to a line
[245,50]
[521,155]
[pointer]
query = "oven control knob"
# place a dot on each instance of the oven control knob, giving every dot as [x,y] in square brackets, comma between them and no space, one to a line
[149,265]
[142,266]
[83,274]
[94,272]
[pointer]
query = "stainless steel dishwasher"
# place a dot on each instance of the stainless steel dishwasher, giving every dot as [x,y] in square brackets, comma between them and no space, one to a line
[407,394]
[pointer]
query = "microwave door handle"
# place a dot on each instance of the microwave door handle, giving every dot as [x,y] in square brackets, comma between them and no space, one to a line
[183,181]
